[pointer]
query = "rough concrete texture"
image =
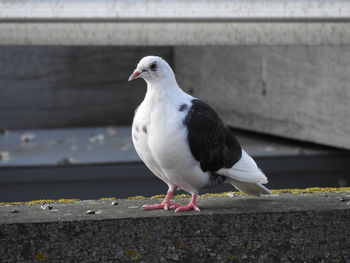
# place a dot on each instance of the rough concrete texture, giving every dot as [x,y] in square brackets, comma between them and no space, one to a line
[277,228]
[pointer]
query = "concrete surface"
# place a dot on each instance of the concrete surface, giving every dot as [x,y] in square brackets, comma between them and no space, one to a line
[89,163]
[113,144]
[312,227]
[124,10]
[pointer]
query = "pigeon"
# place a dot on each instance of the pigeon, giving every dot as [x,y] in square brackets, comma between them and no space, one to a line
[183,141]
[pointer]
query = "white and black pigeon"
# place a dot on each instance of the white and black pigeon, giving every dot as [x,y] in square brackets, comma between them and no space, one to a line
[183,141]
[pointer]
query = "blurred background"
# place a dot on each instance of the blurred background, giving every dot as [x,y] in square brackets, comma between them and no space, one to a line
[276,71]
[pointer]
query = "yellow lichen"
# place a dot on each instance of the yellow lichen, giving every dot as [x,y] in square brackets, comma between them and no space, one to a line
[138,197]
[107,199]
[311,190]
[132,254]
[39,201]
[157,196]
[67,200]
[41,256]
[11,203]
[281,191]
[225,194]
[181,196]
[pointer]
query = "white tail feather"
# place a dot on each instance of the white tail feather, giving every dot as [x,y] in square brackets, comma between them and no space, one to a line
[246,176]
[250,188]
[245,170]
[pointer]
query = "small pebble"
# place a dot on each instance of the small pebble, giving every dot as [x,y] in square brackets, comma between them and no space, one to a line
[46,207]
[111,131]
[114,203]
[126,147]
[344,198]
[13,211]
[5,157]
[27,137]
[97,138]
[231,194]
[90,212]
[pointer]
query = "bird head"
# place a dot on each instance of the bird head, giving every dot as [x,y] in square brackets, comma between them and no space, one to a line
[152,68]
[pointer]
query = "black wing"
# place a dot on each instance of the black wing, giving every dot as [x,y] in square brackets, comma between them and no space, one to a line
[211,141]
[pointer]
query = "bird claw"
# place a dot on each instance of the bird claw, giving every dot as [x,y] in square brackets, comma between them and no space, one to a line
[161,206]
[174,206]
[152,207]
[187,208]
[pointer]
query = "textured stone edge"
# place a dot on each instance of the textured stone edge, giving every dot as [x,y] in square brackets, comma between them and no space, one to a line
[305,236]
[231,234]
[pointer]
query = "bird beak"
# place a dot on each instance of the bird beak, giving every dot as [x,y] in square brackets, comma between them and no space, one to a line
[134,75]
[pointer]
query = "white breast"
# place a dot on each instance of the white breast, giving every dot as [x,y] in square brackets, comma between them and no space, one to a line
[140,128]
[160,139]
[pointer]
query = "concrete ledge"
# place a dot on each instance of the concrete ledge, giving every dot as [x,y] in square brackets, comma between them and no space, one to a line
[162,22]
[304,227]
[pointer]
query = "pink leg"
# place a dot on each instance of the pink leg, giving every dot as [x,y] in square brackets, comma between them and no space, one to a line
[166,204]
[190,206]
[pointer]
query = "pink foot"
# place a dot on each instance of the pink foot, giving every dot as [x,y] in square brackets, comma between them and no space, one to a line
[191,206]
[187,208]
[166,204]
[153,207]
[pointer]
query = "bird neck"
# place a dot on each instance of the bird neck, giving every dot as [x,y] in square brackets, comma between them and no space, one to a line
[162,85]
[163,90]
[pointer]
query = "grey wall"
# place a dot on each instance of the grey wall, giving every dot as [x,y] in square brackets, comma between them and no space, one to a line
[42,87]
[293,91]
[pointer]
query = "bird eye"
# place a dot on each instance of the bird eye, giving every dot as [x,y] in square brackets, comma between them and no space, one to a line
[153,66]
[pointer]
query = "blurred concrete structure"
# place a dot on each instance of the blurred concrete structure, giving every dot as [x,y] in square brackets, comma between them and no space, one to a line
[298,92]
[87,163]
[162,22]
[56,87]
[272,67]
